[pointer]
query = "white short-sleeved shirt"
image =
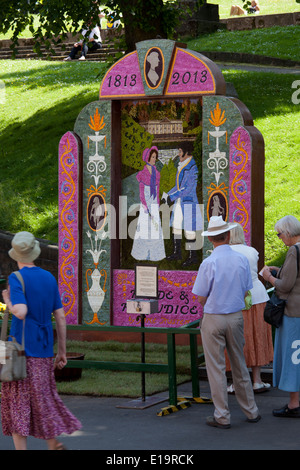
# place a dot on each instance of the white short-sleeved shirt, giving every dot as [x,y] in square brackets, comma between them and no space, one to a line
[258,292]
[94,34]
[224,278]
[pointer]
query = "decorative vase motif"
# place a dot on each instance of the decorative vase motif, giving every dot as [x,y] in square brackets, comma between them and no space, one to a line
[96,164]
[95,293]
[217,160]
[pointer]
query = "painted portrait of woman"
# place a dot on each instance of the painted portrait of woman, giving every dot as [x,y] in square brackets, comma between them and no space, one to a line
[148,241]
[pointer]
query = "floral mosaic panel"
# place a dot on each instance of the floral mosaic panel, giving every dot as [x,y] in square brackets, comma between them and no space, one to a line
[176,303]
[68,223]
[93,125]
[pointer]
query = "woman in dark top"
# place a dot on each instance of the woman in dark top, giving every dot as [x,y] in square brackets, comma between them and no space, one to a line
[286,371]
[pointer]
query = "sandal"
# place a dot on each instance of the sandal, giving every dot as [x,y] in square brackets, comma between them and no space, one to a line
[60,446]
[262,387]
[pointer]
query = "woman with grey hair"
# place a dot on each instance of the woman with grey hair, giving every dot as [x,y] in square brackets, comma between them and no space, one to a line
[286,280]
[258,348]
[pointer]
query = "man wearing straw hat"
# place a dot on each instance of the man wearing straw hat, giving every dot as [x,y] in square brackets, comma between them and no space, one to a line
[221,284]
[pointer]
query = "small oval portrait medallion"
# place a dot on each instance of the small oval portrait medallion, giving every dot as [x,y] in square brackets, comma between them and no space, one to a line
[154,67]
[96,211]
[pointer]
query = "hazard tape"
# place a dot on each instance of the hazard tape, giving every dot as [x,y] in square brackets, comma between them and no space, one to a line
[173,408]
[202,400]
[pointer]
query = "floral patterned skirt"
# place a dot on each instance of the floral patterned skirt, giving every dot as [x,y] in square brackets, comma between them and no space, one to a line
[32,407]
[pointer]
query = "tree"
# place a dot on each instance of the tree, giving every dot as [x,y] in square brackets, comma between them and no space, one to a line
[55,17]
[143,19]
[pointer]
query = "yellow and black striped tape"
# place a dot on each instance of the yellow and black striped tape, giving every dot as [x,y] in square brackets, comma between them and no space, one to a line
[173,408]
[201,400]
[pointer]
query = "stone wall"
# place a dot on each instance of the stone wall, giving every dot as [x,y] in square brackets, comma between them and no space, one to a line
[241,23]
[195,20]
[48,258]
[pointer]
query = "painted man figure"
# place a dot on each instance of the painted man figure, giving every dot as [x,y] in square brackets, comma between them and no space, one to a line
[222,282]
[186,214]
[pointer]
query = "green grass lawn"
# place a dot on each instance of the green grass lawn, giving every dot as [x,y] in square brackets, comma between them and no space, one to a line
[41,102]
[120,383]
[268,96]
[280,42]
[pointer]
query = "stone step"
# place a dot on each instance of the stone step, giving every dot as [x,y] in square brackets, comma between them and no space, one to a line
[60,54]
[90,57]
[25,50]
[66,46]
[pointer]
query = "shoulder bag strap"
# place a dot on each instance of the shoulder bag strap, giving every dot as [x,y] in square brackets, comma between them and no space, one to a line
[5,317]
[297,249]
[19,276]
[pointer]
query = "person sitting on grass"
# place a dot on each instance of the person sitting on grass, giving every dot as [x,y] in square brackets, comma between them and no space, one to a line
[239,11]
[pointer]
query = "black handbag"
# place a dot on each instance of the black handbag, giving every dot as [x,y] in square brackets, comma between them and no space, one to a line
[274,309]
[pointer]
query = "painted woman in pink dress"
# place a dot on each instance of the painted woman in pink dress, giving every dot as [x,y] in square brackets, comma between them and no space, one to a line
[148,241]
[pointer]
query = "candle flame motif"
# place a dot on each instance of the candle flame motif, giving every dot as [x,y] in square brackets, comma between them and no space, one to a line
[217,116]
[97,123]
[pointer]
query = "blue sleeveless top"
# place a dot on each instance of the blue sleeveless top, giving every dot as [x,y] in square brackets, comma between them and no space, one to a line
[42,298]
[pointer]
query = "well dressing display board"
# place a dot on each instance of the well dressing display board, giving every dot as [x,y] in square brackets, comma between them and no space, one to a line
[141,173]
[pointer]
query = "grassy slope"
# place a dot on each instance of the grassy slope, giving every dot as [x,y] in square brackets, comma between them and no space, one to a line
[281,42]
[268,96]
[41,101]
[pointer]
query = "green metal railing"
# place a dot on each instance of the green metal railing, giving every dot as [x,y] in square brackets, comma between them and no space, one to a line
[192,329]
[170,368]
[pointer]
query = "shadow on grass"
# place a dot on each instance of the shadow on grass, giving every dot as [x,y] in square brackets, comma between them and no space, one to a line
[52,74]
[29,165]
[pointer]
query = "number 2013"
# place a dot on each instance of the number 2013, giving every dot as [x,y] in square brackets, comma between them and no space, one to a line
[188,76]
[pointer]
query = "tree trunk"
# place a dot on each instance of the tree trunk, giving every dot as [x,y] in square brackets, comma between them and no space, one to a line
[142,21]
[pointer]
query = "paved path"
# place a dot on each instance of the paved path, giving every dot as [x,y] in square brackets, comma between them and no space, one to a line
[114,430]
[259,68]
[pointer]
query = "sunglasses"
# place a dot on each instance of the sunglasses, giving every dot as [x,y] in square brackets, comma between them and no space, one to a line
[279,234]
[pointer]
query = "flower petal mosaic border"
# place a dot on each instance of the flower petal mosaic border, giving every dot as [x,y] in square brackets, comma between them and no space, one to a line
[93,286]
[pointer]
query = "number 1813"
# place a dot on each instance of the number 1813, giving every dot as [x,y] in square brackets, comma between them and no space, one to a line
[122,81]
